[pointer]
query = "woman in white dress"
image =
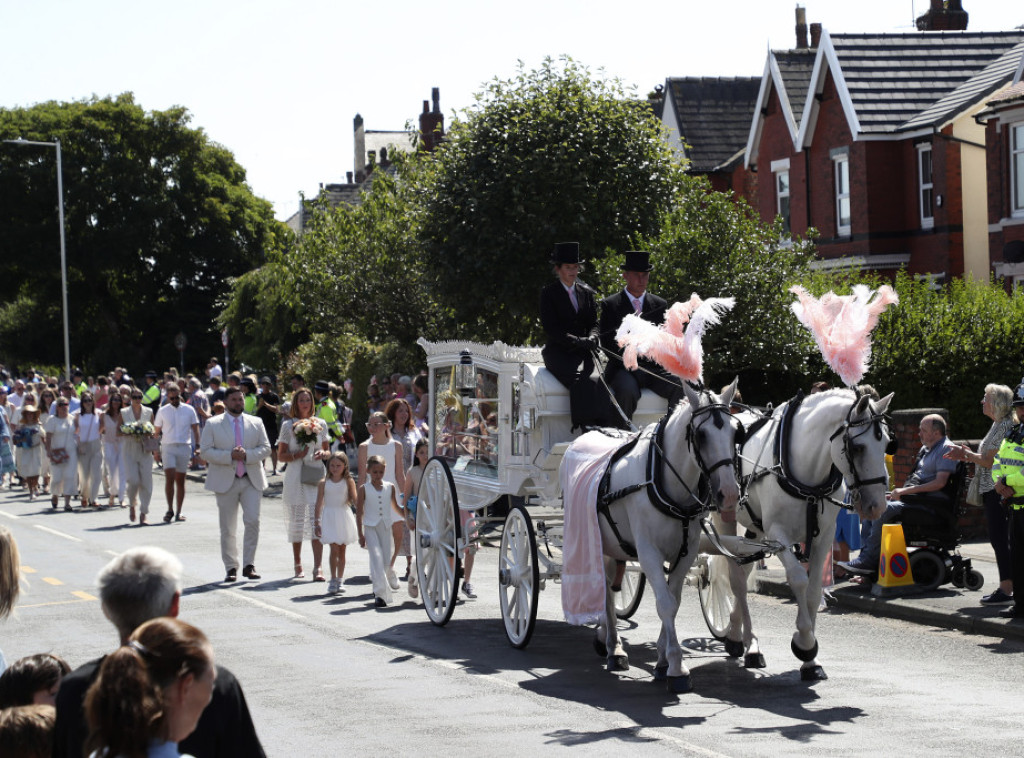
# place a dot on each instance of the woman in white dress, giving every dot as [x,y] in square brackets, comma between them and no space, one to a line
[383,444]
[29,450]
[335,523]
[110,426]
[90,452]
[300,499]
[60,449]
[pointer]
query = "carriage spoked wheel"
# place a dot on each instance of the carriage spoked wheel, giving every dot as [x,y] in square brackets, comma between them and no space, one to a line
[518,576]
[437,535]
[633,583]
[715,592]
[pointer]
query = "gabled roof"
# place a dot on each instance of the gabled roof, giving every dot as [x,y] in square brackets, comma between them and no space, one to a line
[713,117]
[788,73]
[894,83]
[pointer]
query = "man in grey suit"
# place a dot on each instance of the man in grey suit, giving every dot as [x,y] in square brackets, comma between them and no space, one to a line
[234,445]
[634,298]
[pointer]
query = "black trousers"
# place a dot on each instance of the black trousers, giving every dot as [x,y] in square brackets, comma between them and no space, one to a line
[1017,556]
[627,386]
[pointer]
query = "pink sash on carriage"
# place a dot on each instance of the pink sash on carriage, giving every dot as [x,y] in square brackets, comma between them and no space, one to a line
[583,578]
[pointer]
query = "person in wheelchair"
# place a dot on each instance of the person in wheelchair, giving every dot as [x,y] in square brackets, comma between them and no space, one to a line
[925,493]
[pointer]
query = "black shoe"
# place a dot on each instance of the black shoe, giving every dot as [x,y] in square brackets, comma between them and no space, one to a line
[232,575]
[249,572]
[379,602]
[997,598]
[856,567]
[1013,612]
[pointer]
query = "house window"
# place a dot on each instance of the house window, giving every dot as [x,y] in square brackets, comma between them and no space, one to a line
[1017,168]
[842,166]
[782,198]
[927,193]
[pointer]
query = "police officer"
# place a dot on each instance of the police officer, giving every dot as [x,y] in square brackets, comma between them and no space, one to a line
[328,411]
[1008,474]
[151,395]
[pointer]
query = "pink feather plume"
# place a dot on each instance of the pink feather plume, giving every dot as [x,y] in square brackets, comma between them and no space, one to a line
[675,345]
[842,326]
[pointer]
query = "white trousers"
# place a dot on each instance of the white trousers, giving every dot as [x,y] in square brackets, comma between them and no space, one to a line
[242,494]
[113,465]
[138,474]
[90,467]
[380,545]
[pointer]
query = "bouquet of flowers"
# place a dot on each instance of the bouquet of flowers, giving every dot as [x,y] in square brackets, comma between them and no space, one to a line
[138,429]
[307,431]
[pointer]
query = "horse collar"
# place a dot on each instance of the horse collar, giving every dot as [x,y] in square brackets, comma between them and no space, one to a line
[789,483]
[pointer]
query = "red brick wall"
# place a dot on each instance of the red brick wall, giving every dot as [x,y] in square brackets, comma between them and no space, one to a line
[776,144]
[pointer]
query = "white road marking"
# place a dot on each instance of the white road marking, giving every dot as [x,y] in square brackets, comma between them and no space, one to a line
[9,515]
[267,606]
[55,532]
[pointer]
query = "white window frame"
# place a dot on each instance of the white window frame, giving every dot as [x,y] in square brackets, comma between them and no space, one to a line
[841,165]
[1016,168]
[780,168]
[926,189]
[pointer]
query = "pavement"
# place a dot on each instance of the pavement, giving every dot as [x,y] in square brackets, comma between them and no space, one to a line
[945,608]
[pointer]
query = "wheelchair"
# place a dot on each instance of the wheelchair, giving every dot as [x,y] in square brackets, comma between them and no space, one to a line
[932,533]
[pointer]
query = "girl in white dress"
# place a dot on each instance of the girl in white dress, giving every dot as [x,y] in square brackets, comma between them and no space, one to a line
[334,523]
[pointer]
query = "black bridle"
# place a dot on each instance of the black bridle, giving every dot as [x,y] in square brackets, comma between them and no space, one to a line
[851,431]
[716,410]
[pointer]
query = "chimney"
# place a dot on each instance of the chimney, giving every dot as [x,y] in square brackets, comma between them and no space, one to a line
[348,176]
[432,122]
[815,35]
[359,164]
[801,28]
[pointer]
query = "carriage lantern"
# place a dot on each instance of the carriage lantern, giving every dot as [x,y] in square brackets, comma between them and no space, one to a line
[465,376]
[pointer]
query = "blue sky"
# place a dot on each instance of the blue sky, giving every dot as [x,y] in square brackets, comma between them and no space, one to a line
[279,83]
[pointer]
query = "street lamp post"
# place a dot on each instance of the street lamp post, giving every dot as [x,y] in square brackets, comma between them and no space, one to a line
[63,249]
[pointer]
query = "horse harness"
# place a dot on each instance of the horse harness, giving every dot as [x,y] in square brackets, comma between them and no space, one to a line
[697,502]
[813,495]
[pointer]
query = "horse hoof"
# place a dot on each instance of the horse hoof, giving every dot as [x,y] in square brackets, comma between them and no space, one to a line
[754,661]
[813,674]
[660,673]
[618,663]
[804,655]
[734,648]
[599,648]
[679,684]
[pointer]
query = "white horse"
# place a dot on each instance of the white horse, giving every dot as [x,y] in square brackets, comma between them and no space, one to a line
[698,446]
[795,476]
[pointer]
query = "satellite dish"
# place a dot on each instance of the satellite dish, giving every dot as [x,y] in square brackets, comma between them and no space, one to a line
[1013,252]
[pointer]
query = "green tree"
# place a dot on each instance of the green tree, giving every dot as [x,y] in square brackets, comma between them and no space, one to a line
[158,218]
[717,247]
[553,154]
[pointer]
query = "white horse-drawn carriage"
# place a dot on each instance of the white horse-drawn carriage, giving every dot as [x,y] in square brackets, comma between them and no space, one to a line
[500,427]
[500,424]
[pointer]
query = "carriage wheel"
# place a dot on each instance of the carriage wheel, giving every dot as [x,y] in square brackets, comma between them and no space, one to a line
[518,577]
[633,583]
[715,592]
[437,533]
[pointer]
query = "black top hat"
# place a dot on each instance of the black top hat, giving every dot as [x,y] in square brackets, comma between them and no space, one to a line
[637,260]
[566,252]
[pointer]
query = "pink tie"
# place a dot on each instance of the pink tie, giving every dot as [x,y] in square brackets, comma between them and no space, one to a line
[638,306]
[239,465]
[572,296]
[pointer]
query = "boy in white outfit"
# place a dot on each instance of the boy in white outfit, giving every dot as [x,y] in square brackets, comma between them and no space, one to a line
[374,506]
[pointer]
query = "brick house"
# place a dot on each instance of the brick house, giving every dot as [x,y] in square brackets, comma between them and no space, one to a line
[1004,140]
[880,152]
[708,119]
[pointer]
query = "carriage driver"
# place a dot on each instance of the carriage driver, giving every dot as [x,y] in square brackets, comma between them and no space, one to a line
[1008,474]
[925,484]
[634,298]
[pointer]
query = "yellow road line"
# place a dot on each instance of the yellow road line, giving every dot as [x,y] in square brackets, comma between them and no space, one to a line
[22,606]
[52,580]
[27,570]
[83,595]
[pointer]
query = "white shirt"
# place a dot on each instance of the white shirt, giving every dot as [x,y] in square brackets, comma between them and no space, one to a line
[216,371]
[637,302]
[176,423]
[15,399]
[88,427]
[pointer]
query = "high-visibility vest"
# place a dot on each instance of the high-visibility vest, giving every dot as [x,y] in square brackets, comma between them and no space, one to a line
[328,411]
[1009,464]
[249,404]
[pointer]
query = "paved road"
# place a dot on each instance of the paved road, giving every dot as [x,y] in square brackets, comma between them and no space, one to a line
[333,674]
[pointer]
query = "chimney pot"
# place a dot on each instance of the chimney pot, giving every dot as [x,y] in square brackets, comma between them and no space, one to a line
[801,27]
[348,176]
[426,107]
[815,35]
[435,95]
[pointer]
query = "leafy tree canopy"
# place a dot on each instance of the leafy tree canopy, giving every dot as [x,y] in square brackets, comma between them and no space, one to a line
[551,155]
[158,218]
